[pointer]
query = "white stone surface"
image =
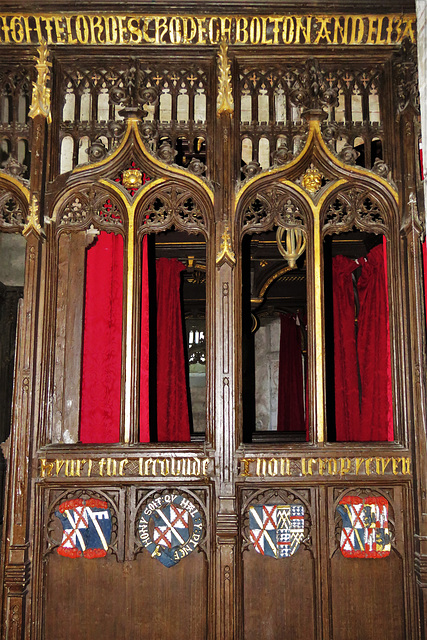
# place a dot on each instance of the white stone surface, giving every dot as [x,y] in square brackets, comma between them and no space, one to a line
[12,259]
[267,345]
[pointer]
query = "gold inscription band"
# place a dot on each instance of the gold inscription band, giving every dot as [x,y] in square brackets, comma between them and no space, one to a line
[124,467]
[301,467]
[105,29]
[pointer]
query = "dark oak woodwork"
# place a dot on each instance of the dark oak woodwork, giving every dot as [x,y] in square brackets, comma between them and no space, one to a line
[212,185]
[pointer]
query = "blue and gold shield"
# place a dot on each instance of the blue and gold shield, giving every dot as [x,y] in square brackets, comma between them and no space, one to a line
[276,530]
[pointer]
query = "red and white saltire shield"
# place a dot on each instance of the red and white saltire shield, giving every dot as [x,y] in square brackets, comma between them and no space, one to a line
[86,528]
[365,532]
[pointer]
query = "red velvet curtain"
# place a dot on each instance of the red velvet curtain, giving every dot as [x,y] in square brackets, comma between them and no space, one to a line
[144,404]
[173,424]
[373,347]
[102,341]
[347,412]
[290,415]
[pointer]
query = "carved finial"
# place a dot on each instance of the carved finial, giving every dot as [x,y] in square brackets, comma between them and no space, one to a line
[414,218]
[40,103]
[131,93]
[295,245]
[225,102]
[33,224]
[315,90]
[226,254]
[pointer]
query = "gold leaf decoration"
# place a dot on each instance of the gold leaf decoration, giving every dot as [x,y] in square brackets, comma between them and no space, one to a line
[40,102]
[225,102]
[312,180]
[33,224]
[226,254]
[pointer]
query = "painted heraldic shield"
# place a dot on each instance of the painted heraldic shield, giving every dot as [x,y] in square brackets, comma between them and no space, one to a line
[170,528]
[86,528]
[276,530]
[365,531]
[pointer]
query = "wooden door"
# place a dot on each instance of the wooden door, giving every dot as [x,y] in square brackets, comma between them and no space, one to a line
[251,168]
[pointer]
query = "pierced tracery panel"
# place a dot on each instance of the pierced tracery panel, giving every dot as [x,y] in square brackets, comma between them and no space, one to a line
[272,207]
[355,208]
[173,206]
[272,100]
[15,96]
[174,100]
[12,215]
[92,205]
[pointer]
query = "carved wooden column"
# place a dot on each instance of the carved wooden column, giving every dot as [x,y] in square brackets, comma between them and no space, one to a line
[17,548]
[413,230]
[225,380]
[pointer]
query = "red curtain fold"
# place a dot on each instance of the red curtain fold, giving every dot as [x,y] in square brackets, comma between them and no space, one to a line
[144,404]
[373,348]
[347,410]
[102,341]
[173,424]
[290,415]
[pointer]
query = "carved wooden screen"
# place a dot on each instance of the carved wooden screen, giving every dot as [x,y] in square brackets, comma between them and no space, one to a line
[250,162]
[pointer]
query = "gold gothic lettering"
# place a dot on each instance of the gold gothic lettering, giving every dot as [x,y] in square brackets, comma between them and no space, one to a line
[128,467]
[297,467]
[92,29]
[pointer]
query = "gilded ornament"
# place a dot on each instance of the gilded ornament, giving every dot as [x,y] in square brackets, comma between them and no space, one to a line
[33,224]
[226,254]
[132,179]
[312,180]
[295,244]
[225,95]
[40,102]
